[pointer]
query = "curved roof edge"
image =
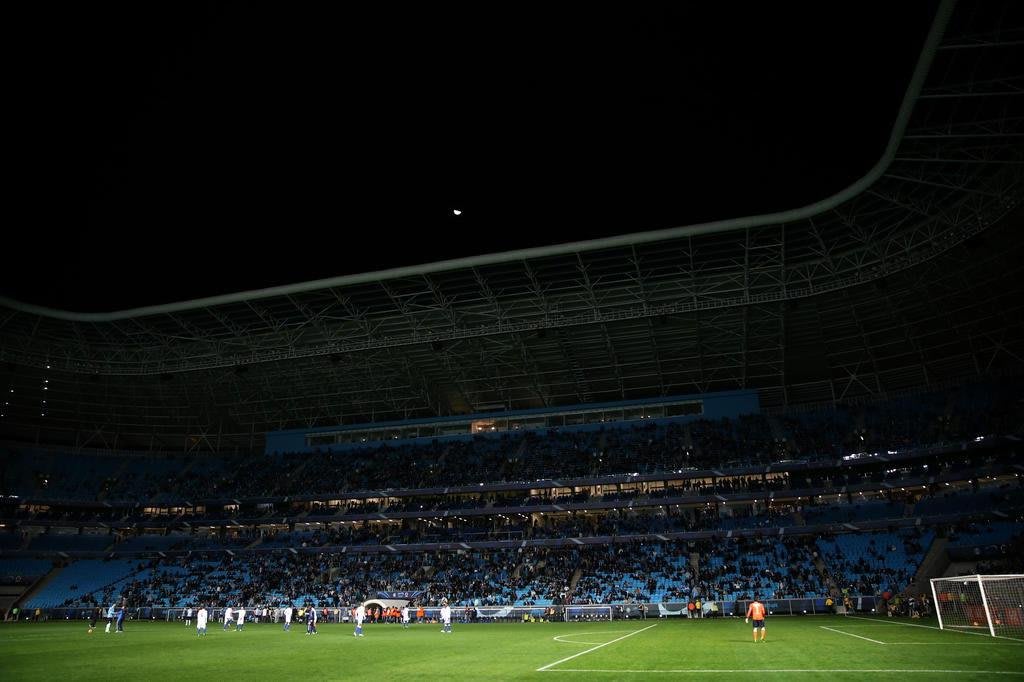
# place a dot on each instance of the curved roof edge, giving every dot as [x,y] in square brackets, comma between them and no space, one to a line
[935,33]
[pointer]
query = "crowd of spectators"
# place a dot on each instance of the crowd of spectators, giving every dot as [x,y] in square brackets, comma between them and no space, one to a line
[962,415]
[621,572]
[870,563]
[639,514]
[771,567]
[625,572]
[480,578]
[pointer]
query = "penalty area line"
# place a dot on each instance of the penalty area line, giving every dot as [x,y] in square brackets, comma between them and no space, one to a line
[787,671]
[559,638]
[617,639]
[931,627]
[850,634]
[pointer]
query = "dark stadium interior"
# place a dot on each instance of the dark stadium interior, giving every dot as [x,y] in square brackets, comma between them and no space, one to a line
[195,144]
[716,322]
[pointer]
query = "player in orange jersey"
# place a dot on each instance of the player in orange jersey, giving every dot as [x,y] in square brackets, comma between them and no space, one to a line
[756,612]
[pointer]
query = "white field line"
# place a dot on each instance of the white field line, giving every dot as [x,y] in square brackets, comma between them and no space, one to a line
[931,627]
[961,643]
[570,641]
[618,639]
[850,634]
[787,671]
[559,638]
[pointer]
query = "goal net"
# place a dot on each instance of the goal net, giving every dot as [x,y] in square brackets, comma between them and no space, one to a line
[986,604]
[589,612]
[519,613]
[525,614]
[545,613]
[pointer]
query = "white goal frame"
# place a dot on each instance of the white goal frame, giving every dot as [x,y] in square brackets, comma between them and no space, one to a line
[512,613]
[589,612]
[572,613]
[981,602]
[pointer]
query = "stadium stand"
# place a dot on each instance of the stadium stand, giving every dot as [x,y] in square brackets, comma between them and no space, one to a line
[655,526]
[870,563]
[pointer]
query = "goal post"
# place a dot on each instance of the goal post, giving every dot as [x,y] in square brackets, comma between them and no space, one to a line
[550,612]
[985,604]
[595,612]
[517,613]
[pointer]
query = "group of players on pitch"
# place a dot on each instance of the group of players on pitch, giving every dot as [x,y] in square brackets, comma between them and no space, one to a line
[236,617]
[116,613]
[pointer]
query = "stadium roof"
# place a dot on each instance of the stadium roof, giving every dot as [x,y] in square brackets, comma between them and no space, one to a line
[221,124]
[911,276]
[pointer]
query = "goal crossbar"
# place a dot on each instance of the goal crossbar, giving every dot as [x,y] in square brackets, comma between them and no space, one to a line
[981,602]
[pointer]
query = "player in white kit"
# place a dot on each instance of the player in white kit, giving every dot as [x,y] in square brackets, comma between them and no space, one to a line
[405,617]
[201,617]
[288,618]
[446,618]
[360,615]
[241,620]
[228,617]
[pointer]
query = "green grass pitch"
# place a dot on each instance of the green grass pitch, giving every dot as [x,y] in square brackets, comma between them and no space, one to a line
[804,649]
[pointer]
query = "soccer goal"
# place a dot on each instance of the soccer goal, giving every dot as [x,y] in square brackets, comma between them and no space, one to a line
[581,614]
[513,613]
[988,604]
[584,613]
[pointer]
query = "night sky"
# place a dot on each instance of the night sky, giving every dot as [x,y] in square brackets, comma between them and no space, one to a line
[165,152]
